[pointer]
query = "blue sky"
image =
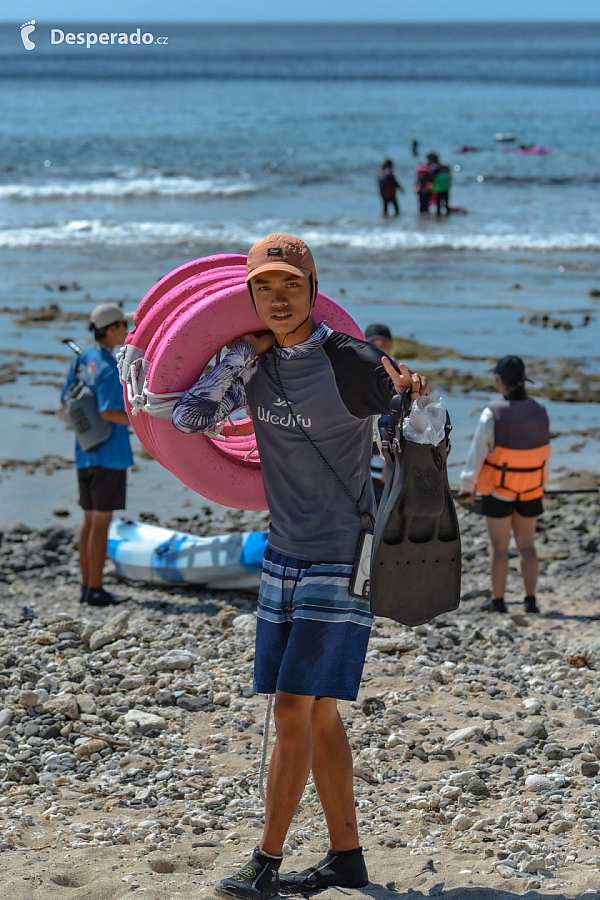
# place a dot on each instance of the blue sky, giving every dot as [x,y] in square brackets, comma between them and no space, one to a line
[310,10]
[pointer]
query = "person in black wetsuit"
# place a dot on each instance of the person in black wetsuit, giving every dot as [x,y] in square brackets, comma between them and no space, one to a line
[388,187]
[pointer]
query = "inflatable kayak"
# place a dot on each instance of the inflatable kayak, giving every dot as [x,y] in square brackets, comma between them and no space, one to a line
[161,556]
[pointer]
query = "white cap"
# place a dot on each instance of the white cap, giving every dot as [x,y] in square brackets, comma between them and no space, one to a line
[107,314]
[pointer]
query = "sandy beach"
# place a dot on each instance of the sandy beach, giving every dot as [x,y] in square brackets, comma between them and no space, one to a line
[130,740]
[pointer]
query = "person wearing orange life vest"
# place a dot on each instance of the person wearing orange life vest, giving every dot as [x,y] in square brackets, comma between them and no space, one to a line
[507,464]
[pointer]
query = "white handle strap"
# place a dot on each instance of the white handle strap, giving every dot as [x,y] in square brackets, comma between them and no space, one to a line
[132,370]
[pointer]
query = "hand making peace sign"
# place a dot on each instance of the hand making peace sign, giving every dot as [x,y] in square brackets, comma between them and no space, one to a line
[403,380]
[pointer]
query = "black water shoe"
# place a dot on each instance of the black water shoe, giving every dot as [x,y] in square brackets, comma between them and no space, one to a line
[100,597]
[530,604]
[257,880]
[494,604]
[345,869]
[28,614]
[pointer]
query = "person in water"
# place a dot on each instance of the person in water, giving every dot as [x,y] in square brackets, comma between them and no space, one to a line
[424,183]
[388,185]
[312,393]
[508,464]
[440,185]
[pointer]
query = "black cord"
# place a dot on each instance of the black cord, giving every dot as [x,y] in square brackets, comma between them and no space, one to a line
[316,449]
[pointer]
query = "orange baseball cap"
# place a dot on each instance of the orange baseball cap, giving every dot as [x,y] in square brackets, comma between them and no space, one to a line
[280,251]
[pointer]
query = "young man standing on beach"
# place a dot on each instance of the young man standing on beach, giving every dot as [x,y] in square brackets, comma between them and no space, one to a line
[312,393]
[102,472]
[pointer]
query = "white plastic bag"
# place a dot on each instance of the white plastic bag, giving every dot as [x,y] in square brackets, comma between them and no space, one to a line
[427,421]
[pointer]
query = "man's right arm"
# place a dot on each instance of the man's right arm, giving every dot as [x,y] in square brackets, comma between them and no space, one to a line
[116,416]
[218,394]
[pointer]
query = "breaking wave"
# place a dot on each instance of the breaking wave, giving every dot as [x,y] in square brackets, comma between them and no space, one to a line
[102,232]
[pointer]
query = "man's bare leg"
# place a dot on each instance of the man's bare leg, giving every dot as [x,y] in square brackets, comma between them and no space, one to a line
[499,532]
[96,547]
[289,767]
[344,864]
[82,546]
[524,531]
[333,774]
[299,730]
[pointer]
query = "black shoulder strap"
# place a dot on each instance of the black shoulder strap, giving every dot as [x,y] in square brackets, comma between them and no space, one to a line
[314,446]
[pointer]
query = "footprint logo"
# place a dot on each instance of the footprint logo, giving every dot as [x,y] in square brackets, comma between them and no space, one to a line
[26,30]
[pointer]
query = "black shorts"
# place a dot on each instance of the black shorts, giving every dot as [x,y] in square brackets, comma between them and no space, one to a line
[102,489]
[501,509]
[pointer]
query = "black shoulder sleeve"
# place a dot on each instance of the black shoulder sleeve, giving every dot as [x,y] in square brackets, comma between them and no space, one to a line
[365,387]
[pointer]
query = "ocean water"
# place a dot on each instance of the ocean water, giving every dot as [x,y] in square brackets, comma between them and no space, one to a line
[119,163]
[227,127]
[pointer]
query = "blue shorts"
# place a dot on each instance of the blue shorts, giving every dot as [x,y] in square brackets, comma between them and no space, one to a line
[311,635]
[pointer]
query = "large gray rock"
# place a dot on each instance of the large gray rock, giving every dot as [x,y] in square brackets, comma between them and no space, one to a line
[537,783]
[86,703]
[478,787]
[245,624]
[192,703]
[136,720]
[593,742]
[536,730]
[462,822]
[110,631]
[533,706]
[533,865]
[402,643]
[175,659]
[464,735]
[31,699]
[62,704]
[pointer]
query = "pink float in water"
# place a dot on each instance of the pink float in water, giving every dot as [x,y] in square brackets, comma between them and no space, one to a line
[535,148]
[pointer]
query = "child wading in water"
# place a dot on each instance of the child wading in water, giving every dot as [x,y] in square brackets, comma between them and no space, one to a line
[302,380]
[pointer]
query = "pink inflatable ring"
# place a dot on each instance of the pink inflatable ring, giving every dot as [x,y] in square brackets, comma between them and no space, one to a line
[181,324]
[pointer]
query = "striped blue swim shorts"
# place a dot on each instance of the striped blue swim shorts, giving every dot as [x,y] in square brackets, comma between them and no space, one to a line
[311,634]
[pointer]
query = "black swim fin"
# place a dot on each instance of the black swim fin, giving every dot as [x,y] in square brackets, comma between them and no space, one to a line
[416,557]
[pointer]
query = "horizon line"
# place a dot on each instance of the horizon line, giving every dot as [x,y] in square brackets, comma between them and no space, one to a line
[322,21]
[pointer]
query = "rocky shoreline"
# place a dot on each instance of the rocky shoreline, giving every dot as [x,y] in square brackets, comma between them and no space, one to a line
[130,739]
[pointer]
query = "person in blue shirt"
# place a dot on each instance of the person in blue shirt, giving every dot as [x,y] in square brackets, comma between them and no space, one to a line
[102,472]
